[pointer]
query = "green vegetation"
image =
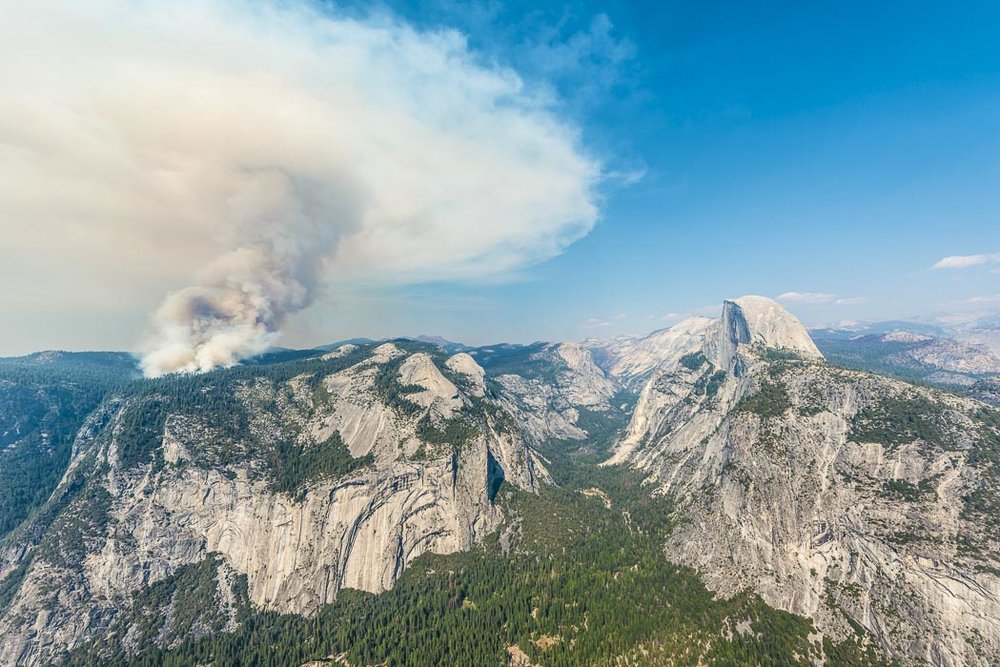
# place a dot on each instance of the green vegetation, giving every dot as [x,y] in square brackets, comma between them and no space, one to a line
[709,383]
[770,400]
[140,429]
[83,519]
[576,583]
[592,582]
[47,401]
[981,505]
[12,582]
[812,405]
[44,400]
[900,489]
[602,427]
[453,432]
[985,452]
[222,407]
[520,360]
[873,355]
[392,391]
[899,420]
[693,361]
[183,607]
[579,584]
[294,466]
[779,354]
[853,651]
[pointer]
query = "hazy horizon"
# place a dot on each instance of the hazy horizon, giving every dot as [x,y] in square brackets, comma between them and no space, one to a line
[486,172]
[945,323]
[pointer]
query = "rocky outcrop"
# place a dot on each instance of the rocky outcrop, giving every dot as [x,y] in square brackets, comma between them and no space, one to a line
[466,367]
[866,503]
[746,320]
[756,320]
[843,496]
[134,525]
[437,392]
[954,356]
[955,359]
[551,387]
[631,359]
[583,383]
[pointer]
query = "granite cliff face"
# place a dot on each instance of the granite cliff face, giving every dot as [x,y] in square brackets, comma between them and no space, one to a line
[631,360]
[549,386]
[839,495]
[864,503]
[336,474]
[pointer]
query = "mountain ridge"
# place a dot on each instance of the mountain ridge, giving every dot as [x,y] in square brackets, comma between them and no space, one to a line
[278,485]
[770,453]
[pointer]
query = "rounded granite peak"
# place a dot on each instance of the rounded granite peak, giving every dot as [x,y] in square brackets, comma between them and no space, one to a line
[465,365]
[759,320]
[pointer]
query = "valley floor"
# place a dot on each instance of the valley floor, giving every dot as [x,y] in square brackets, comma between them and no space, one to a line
[574,578]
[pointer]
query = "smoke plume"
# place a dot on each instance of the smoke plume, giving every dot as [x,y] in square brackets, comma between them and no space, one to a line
[255,152]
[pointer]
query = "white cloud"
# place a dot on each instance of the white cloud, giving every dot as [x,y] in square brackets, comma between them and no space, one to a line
[961,318]
[806,297]
[820,297]
[965,261]
[595,323]
[255,152]
[987,298]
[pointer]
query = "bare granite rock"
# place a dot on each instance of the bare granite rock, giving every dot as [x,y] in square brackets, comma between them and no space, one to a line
[138,524]
[835,494]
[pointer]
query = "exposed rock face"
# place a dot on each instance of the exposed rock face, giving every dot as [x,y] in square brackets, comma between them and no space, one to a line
[550,388]
[986,390]
[767,323]
[438,392]
[134,524]
[583,383]
[45,399]
[466,366]
[545,410]
[753,320]
[340,351]
[986,337]
[834,494]
[386,352]
[905,337]
[841,495]
[955,356]
[952,358]
[756,320]
[635,358]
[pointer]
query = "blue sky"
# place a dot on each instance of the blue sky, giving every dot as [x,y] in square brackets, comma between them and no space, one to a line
[826,153]
[835,150]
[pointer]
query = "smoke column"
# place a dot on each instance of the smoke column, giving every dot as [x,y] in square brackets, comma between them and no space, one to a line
[249,153]
[244,296]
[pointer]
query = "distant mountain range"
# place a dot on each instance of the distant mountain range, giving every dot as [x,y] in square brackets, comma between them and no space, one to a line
[965,359]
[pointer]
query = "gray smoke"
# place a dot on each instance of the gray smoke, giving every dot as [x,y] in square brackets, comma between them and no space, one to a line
[287,230]
[255,152]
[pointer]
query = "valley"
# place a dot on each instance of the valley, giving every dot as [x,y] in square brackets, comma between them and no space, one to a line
[716,493]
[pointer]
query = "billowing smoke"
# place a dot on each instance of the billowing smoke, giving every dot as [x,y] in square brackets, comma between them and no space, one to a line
[286,233]
[255,152]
